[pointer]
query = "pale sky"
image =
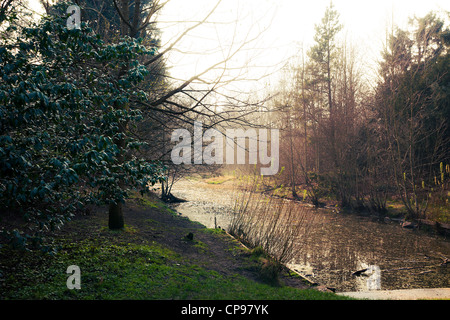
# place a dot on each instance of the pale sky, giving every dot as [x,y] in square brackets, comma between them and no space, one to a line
[280,27]
[284,25]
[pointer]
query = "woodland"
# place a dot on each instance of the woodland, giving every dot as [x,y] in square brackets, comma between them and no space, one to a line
[86,116]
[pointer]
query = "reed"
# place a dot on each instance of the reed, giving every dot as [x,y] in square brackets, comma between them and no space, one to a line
[278,226]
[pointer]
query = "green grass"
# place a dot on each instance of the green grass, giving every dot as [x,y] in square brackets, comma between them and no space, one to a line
[219,180]
[150,202]
[115,271]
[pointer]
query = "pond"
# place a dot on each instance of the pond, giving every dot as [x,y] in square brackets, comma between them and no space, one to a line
[346,252]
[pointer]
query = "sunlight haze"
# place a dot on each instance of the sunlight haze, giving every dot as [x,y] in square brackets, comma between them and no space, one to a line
[283,27]
[277,30]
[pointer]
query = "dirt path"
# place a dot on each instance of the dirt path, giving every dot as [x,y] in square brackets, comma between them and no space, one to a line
[407,294]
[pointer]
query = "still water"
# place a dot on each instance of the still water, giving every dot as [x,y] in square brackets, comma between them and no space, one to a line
[346,252]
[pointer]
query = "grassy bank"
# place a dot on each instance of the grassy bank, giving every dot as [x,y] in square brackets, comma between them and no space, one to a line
[152,258]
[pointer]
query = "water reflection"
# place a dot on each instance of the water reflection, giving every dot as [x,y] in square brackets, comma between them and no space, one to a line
[370,277]
[374,280]
[341,244]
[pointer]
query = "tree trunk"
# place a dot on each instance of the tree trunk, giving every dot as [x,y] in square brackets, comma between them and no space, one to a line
[294,192]
[116,221]
[116,209]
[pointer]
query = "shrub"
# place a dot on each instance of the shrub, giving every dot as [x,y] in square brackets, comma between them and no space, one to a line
[277,226]
[64,102]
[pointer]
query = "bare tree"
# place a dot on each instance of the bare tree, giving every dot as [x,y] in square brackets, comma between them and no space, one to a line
[176,103]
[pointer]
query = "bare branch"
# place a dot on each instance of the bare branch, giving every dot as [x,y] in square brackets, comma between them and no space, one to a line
[160,55]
